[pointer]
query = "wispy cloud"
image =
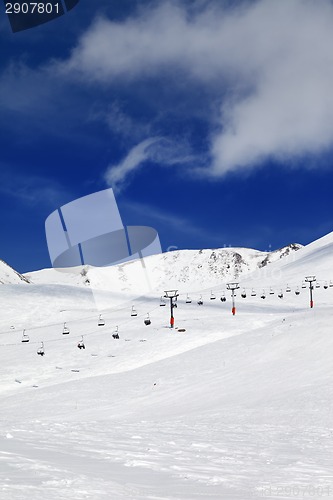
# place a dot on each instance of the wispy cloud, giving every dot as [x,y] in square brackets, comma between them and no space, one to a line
[270,62]
[121,123]
[159,150]
[171,221]
[32,190]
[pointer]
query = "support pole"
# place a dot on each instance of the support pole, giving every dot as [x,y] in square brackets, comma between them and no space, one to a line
[311,297]
[233,310]
[172,296]
[310,280]
[233,287]
[172,319]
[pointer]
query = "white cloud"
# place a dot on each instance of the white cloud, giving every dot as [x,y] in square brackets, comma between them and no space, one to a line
[271,62]
[155,149]
[116,174]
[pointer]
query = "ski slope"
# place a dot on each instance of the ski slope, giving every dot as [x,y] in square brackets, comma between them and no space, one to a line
[234,407]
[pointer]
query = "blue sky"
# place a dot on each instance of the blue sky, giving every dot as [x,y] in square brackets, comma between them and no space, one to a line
[212,121]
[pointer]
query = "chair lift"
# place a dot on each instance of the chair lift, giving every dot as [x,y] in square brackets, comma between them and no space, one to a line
[331,283]
[303,285]
[212,295]
[162,303]
[65,330]
[147,320]
[25,337]
[280,295]
[325,285]
[134,312]
[200,302]
[263,295]
[188,300]
[271,291]
[101,321]
[253,293]
[288,289]
[297,292]
[243,294]
[115,334]
[223,297]
[41,351]
[317,285]
[81,344]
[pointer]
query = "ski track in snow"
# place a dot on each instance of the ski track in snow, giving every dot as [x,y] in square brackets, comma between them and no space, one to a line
[224,455]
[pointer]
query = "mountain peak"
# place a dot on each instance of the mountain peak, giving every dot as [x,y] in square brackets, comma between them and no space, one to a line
[8,275]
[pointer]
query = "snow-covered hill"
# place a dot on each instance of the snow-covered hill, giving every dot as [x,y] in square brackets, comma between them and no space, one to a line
[221,407]
[9,276]
[313,259]
[190,269]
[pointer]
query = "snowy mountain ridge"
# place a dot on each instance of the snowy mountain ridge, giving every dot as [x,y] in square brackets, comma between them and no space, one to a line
[177,268]
[8,275]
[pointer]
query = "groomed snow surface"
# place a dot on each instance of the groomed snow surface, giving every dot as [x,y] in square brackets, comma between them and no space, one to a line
[234,407]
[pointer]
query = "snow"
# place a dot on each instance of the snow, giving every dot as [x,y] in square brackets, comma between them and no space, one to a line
[178,268]
[8,275]
[235,407]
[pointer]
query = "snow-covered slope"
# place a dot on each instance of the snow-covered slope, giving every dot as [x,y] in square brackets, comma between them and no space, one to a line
[9,276]
[190,269]
[313,259]
[221,407]
[317,257]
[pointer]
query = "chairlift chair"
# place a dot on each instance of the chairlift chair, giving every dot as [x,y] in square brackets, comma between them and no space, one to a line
[331,283]
[253,293]
[243,294]
[41,351]
[101,321]
[65,330]
[288,289]
[147,320]
[25,337]
[212,295]
[200,301]
[303,285]
[263,295]
[271,291]
[280,295]
[188,300]
[162,303]
[81,344]
[223,297]
[115,334]
[134,312]
[325,285]
[317,285]
[297,292]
